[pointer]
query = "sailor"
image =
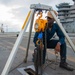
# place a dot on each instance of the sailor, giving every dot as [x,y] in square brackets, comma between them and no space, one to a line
[58,45]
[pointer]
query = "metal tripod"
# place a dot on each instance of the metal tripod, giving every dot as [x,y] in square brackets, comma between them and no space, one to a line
[30,16]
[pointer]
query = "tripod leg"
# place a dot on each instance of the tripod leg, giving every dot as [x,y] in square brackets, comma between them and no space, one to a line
[64,32]
[36,61]
[32,19]
[15,48]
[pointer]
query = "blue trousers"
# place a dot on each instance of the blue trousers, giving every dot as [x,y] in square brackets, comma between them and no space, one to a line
[52,44]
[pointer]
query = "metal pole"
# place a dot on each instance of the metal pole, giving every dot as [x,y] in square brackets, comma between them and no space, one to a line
[30,31]
[61,27]
[15,48]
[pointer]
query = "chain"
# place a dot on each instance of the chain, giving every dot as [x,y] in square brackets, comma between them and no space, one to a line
[46,40]
[46,43]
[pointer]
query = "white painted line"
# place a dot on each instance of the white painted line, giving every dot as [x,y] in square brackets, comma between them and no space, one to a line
[21,70]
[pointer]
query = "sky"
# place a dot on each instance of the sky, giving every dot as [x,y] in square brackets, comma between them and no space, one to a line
[14,12]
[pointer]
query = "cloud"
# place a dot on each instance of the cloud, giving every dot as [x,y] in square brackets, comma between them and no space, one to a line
[5,13]
[7,17]
[14,12]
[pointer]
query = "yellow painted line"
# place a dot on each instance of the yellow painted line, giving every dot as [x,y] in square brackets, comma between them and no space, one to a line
[51,52]
[31,44]
[5,46]
[26,20]
[19,46]
[69,58]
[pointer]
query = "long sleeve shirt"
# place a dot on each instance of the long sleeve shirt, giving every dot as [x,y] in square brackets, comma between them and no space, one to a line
[50,33]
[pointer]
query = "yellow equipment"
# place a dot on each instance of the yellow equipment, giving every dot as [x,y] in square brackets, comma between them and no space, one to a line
[40,24]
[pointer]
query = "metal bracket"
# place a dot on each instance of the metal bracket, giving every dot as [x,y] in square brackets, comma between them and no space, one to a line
[40,7]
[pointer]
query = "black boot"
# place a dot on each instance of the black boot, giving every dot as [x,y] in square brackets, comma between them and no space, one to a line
[65,66]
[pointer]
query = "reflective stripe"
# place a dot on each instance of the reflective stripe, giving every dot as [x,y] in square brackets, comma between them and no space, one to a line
[26,20]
